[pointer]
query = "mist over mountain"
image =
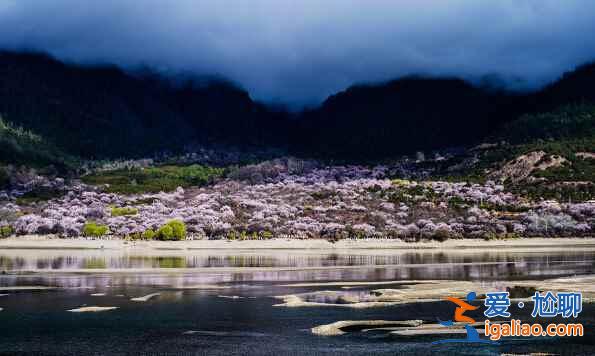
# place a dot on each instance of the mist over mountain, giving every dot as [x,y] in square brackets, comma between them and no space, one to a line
[300,52]
[103,112]
[339,78]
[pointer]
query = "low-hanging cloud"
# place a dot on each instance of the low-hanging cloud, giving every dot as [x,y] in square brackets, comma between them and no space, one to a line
[300,51]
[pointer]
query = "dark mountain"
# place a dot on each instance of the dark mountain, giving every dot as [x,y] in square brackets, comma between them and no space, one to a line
[575,87]
[106,112]
[405,115]
[417,113]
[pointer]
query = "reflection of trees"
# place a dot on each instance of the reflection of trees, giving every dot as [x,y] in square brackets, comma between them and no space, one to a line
[171,262]
[399,266]
[92,263]
[6,263]
[65,260]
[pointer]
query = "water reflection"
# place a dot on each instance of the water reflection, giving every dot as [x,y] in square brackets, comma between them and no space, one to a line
[177,270]
[40,260]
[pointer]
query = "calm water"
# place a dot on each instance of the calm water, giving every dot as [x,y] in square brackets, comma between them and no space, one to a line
[208,321]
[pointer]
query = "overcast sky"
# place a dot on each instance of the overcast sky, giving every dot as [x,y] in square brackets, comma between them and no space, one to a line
[299,52]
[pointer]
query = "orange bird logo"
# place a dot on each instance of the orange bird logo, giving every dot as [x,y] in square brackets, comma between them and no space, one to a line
[461,309]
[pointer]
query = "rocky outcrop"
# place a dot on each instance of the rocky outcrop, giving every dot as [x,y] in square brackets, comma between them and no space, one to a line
[523,166]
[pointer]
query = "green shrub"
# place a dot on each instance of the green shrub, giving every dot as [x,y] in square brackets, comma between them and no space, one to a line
[165,233]
[124,211]
[148,234]
[134,236]
[91,229]
[178,229]
[6,231]
[232,235]
[400,182]
[266,234]
[154,179]
[494,236]
[173,230]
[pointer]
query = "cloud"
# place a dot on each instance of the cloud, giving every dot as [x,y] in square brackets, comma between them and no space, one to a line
[299,52]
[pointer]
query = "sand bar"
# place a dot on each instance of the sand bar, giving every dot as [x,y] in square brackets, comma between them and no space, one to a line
[92,309]
[145,298]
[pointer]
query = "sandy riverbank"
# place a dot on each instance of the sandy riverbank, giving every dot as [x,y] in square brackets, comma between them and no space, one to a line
[530,244]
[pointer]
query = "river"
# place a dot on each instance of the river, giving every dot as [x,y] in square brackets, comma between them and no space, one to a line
[223,302]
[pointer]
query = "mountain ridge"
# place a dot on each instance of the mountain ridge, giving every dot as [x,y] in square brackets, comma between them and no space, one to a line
[105,112]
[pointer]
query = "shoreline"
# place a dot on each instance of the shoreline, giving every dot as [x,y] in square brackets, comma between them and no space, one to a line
[34,242]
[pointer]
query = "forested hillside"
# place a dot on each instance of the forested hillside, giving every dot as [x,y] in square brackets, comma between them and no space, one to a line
[105,112]
[422,114]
